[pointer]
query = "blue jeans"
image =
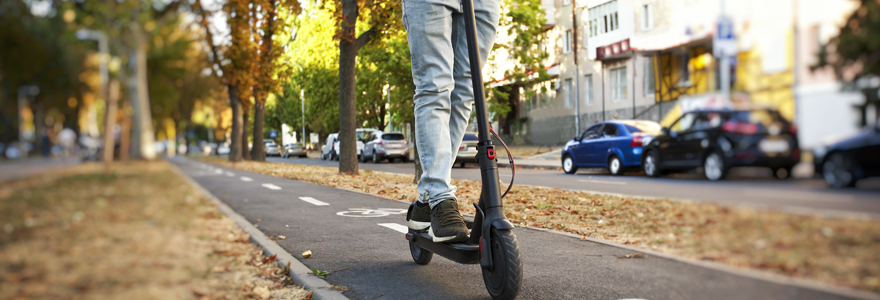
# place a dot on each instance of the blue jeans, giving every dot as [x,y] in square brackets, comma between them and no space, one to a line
[444,95]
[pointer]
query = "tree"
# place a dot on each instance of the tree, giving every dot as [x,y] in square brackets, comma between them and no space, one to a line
[524,21]
[857,49]
[382,16]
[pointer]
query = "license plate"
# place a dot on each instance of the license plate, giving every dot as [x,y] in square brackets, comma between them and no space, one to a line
[394,145]
[773,146]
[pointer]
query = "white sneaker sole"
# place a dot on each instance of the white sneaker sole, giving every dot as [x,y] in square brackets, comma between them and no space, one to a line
[439,239]
[415,225]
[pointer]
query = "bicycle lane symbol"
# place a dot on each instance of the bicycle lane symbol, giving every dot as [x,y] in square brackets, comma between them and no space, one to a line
[370,213]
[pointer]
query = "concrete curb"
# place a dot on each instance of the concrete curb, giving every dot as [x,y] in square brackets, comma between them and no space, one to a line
[299,273]
[537,167]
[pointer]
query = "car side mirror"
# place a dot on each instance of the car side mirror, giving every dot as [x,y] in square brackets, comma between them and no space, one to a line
[665,130]
[577,138]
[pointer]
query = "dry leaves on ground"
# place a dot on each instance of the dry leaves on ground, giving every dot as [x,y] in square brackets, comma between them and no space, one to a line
[136,232]
[838,251]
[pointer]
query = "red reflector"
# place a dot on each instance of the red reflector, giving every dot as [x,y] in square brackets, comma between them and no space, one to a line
[636,141]
[482,255]
[491,153]
[380,143]
[792,129]
[461,148]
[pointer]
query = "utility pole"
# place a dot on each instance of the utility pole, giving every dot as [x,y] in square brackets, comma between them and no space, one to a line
[104,53]
[302,101]
[577,73]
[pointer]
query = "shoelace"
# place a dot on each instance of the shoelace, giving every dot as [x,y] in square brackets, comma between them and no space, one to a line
[450,217]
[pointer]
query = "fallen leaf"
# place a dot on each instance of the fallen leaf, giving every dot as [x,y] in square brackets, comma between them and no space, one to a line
[269,259]
[308,296]
[281,237]
[307,254]
[258,220]
[261,292]
[584,238]
[200,291]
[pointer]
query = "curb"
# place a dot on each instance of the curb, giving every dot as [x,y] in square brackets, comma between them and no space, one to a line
[299,273]
[536,167]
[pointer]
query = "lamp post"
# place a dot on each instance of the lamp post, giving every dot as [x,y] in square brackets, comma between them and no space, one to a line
[103,49]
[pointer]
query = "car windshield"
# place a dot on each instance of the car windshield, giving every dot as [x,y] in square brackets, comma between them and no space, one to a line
[470,137]
[392,137]
[363,135]
[643,126]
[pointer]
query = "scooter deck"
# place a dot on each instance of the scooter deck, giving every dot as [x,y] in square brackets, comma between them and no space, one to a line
[460,253]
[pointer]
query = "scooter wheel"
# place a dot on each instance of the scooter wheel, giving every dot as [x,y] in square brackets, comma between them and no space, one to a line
[505,279]
[419,255]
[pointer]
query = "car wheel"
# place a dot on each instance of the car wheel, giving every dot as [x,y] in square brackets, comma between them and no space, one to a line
[568,165]
[361,157]
[376,158]
[615,166]
[713,167]
[463,164]
[650,164]
[304,156]
[837,171]
[323,157]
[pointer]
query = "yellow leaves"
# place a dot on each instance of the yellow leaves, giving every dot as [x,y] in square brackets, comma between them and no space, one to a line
[307,254]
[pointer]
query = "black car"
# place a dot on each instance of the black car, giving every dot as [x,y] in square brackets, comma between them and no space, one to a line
[718,140]
[854,157]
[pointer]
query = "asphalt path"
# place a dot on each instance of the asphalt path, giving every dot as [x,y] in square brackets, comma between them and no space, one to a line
[749,189]
[358,238]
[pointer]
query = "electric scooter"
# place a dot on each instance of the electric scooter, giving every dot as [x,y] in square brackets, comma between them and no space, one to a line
[492,243]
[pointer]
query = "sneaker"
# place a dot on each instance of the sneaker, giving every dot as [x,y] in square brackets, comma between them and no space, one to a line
[447,225]
[418,217]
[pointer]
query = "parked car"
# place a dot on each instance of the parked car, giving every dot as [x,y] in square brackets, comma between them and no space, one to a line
[272,148]
[467,152]
[615,145]
[295,149]
[385,145]
[844,161]
[718,140]
[223,149]
[363,136]
[328,151]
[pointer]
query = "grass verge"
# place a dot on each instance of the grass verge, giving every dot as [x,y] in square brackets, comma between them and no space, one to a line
[137,231]
[837,251]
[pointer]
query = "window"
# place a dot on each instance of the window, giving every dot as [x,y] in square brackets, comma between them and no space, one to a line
[684,72]
[592,133]
[567,43]
[618,84]
[588,86]
[603,18]
[649,76]
[647,18]
[684,123]
[567,92]
[610,130]
[566,2]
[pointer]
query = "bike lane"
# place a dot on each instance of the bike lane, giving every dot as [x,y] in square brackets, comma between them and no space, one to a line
[357,238]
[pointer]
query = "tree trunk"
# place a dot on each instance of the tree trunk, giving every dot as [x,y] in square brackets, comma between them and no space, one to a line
[348,49]
[125,134]
[245,150]
[259,151]
[235,149]
[110,123]
[143,122]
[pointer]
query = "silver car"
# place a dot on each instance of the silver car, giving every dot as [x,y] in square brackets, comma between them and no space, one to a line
[295,149]
[272,148]
[467,152]
[385,145]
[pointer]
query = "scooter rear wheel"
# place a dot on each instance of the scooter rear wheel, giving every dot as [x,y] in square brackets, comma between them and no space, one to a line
[505,279]
[419,255]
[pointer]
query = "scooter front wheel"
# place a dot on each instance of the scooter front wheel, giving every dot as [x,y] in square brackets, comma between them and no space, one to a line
[505,279]
[419,255]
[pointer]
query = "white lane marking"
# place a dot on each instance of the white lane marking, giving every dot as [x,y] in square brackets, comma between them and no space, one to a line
[370,213]
[246,179]
[271,186]
[603,182]
[395,226]
[218,171]
[230,174]
[313,201]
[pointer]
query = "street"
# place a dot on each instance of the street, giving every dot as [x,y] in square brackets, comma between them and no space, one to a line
[794,195]
[359,239]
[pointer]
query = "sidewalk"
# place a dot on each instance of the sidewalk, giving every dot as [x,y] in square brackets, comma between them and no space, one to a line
[18,169]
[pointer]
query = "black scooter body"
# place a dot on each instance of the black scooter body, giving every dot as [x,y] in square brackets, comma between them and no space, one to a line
[503,283]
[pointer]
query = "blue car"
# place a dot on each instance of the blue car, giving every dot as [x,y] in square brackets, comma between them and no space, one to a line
[615,145]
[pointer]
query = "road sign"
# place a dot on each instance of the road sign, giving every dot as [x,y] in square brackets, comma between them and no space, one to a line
[273,134]
[724,41]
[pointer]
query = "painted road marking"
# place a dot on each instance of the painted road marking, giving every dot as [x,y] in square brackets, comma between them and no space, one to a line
[313,201]
[370,213]
[271,186]
[395,226]
[246,179]
[603,182]
[218,171]
[230,174]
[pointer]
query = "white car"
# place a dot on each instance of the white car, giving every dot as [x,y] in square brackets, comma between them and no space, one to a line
[295,149]
[328,151]
[385,145]
[331,150]
[272,148]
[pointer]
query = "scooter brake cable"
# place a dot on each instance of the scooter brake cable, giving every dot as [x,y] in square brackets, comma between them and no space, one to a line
[509,158]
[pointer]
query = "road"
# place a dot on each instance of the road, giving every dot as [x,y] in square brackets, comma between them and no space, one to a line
[370,256]
[795,195]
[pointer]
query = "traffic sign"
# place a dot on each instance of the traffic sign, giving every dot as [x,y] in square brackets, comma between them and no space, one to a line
[273,134]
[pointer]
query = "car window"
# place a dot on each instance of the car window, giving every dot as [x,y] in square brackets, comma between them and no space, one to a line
[364,135]
[470,137]
[610,130]
[592,133]
[392,137]
[684,123]
[648,127]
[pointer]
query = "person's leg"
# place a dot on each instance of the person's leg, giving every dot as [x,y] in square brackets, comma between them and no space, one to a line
[429,32]
[486,14]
